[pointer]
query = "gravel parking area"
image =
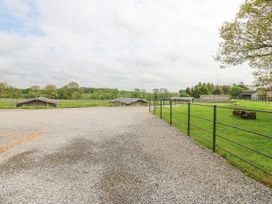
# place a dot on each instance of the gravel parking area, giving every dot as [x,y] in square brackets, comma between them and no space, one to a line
[111,155]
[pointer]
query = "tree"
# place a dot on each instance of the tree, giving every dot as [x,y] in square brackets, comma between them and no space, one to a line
[3,87]
[203,90]
[164,93]
[188,91]
[235,91]
[217,91]
[243,86]
[155,93]
[182,93]
[70,91]
[225,89]
[248,38]
[50,91]
[34,91]
[138,93]
[64,93]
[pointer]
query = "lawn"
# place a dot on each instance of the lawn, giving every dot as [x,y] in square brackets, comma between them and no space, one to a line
[83,103]
[11,103]
[201,131]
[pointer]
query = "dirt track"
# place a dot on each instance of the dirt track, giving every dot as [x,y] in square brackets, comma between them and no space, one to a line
[111,155]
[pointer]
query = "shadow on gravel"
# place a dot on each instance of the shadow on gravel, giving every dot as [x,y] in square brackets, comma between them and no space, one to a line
[125,167]
[19,162]
[77,151]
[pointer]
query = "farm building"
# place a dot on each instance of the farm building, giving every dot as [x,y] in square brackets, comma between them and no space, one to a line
[129,102]
[249,95]
[214,98]
[39,101]
[182,99]
[268,92]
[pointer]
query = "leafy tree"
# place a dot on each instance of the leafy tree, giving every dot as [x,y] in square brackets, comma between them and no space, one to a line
[182,93]
[225,89]
[263,76]
[50,91]
[203,90]
[248,38]
[155,93]
[138,93]
[188,91]
[3,87]
[217,91]
[243,86]
[73,86]
[235,91]
[164,93]
[63,93]
[34,91]
[103,94]
[12,92]
[70,91]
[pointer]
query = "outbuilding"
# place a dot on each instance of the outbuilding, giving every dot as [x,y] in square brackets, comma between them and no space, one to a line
[179,100]
[214,99]
[182,99]
[129,102]
[268,92]
[39,101]
[249,95]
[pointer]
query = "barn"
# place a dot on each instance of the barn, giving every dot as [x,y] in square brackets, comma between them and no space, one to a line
[214,99]
[182,99]
[129,102]
[39,101]
[268,92]
[249,95]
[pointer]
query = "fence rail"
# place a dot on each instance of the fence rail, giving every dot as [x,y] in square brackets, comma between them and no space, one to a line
[214,124]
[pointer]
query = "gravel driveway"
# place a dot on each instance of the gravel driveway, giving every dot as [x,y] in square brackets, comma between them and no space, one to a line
[111,155]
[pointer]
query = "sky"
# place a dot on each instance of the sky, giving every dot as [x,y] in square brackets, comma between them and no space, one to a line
[123,44]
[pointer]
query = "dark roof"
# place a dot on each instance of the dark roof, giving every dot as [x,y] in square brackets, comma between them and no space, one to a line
[248,92]
[182,98]
[268,89]
[41,99]
[129,100]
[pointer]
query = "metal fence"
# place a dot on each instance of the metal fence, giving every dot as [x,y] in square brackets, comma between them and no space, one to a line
[237,146]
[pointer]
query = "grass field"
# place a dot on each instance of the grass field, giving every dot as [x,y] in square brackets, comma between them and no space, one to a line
[201,131]
[11,104]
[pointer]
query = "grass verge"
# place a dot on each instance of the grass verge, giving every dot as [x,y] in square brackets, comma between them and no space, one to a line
[202,132]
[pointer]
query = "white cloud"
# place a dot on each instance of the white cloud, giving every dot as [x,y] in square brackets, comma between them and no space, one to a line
[17,7]
[122,43]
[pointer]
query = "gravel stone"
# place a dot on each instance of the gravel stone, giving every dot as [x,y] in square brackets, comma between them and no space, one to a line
[113,155]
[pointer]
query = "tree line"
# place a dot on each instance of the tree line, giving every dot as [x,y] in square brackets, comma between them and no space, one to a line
[211,89]
[73,90]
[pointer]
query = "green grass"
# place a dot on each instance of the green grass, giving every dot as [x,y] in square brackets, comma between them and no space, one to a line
[263,124]
[11,104]
[83,103]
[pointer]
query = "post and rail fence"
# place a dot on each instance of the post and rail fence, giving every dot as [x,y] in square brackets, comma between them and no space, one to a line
[212,131]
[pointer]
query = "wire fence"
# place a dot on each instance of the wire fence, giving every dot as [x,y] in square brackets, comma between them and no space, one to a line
[245,142]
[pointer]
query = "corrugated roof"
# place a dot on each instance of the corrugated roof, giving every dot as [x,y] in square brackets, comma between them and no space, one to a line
[42,99]
[248,92]
[182,98]
[129,100]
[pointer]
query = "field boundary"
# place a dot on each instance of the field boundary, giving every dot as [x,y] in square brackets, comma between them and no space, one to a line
[164,110]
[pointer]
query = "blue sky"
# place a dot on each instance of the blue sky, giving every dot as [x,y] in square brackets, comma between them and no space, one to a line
[123,43]
[12,22]
[9,22]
